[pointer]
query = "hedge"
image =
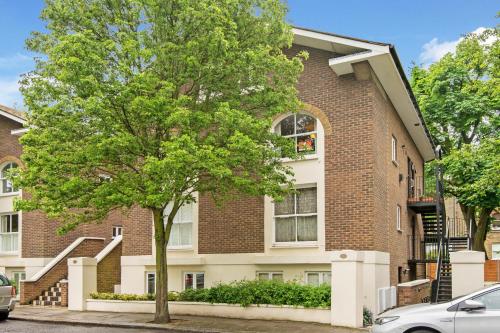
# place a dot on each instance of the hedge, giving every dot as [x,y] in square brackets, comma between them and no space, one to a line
[245,293]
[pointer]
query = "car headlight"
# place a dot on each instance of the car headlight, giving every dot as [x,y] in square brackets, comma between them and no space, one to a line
[385,320]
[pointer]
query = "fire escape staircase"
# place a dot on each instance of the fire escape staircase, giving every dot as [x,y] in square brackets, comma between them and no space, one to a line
[441,236]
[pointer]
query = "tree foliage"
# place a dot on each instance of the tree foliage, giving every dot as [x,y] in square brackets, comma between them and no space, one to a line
[460,99]
[147,102]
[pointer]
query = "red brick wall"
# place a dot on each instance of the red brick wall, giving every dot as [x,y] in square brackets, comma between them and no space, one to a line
[137,232]
[415,294]
[31,290]
[9,146]
[236,227]
[109,271]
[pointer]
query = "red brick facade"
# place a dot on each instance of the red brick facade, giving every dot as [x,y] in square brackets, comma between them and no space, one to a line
[109,271]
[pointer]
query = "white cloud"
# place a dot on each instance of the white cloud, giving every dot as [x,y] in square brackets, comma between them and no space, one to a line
[434,50]
[9,92]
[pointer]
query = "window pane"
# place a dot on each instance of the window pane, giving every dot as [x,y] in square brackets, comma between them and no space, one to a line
[306,143]
[287,125]
[200,281]
[5,223]
[306,201]
[327,278]
[285,207]
[277,276]
[285,229]
[185,231]
[305,123]
[14,223]
[151,284]
[313,279]
[490,300]
[263,276]
[188,281]
[307,228]
[174,235]
[186,213]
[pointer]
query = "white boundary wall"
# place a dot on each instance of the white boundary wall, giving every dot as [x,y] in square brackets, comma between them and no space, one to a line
[264,312]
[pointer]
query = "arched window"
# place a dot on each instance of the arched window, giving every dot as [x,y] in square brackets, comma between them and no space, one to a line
[6,185]
[302,129]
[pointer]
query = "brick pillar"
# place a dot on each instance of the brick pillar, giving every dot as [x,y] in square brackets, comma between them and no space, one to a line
[64,292]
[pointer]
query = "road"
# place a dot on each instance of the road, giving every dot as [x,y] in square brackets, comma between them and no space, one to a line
[18,326]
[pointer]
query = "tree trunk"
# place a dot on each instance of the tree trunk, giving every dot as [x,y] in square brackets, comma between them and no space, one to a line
[161,314]
[469,214]
[482,230]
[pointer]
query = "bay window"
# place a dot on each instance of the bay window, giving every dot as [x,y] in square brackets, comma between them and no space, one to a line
[296,217]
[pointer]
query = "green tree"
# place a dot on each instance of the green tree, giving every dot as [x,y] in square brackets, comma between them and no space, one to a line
[146,102]
[460,99]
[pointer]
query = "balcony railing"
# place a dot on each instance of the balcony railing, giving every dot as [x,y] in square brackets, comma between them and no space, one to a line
[419,192]
[9,242]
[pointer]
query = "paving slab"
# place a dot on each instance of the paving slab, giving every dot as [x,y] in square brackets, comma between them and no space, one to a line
[179,324]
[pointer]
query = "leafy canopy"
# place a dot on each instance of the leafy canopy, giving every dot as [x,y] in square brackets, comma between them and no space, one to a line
[148,101]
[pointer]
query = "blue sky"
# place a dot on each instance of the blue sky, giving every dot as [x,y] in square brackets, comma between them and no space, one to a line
[422,30]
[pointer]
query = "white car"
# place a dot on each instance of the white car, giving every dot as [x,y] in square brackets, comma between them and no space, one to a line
[7,297]
[478,312]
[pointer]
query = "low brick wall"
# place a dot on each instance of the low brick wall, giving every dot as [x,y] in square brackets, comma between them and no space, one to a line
[414,292]
[492,271]
[32,289]
[109,271]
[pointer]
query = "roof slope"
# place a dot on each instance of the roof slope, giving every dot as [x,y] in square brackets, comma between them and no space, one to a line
[13,114]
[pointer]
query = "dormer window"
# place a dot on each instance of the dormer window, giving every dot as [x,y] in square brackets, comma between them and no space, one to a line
[302,129]
[6,185]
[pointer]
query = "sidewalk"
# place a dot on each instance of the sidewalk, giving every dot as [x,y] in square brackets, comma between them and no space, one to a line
[178,324]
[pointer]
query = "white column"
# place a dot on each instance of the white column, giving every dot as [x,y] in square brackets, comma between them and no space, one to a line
[347,288]
[82,280]
[376,275]
[467,272]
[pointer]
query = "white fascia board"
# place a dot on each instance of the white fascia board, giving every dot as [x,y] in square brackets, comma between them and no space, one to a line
[12,117]
[387,73]
[19,131]
[339,40]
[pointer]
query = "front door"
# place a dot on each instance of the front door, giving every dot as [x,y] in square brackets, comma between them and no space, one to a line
[481,321]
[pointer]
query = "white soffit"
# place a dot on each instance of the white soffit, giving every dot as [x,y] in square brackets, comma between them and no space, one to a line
[382,62]
[12,117]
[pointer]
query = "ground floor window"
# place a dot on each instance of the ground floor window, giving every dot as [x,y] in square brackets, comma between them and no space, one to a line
[495,251]
[318,278]
[150,283]
[16,278]
[194,280]
[9,228]
[267,276]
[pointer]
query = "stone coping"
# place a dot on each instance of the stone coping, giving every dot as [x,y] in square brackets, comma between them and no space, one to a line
[414,283]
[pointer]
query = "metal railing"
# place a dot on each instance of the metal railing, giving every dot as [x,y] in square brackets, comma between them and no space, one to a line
[418,191]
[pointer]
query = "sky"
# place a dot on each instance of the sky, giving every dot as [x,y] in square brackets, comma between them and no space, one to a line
[422,30]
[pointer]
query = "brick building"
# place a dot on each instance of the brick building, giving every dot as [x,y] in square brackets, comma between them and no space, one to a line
[364,143]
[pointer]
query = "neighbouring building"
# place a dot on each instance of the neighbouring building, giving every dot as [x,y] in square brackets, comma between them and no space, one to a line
[364,143]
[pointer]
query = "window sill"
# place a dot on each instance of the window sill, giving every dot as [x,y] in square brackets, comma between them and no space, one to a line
[9,194]
[303,158]
[294,245]
[7,254]
[179,248]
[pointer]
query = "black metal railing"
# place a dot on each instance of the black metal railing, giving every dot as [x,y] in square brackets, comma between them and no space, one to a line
[457,227]
[418,191]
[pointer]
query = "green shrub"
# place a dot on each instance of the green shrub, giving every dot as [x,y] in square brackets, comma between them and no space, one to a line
[261,292]
[367,317]
[243,293]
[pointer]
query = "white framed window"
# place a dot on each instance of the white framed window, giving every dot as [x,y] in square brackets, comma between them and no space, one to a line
[150,282]
[194,280]
[18,276]
[181,234]
[318,278]
[302,129]
[9,233]
[296,217]
[117,231]
[394,149]
[398,217]
[5,184]
[268,276]
[495,251]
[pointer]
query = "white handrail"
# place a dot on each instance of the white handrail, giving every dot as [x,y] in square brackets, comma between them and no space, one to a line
[59,257]
[104,252]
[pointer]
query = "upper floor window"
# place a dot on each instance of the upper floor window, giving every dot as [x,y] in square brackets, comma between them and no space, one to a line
[6,185]
[495,225]
[302,129]
[181,234]
[394,149]
[117,231]
[296,217]
[9,228]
